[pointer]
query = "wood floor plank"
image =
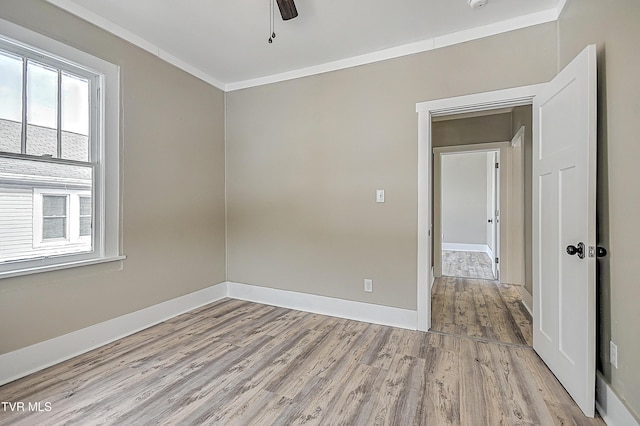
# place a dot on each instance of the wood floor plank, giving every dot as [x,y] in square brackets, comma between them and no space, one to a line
[467,264]
[482,309]
[480,391]
[442,396]
[241,363]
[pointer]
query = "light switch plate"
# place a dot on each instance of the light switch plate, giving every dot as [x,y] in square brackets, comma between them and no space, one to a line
[380,196]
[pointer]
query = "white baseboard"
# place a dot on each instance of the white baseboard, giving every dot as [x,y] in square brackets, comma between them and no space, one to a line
[433,279]
[527,299]
[611,408]
[359,311]
[483,248]
[24,361]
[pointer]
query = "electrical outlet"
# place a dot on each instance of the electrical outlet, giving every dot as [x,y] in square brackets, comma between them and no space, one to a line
[368,285]
[613,354]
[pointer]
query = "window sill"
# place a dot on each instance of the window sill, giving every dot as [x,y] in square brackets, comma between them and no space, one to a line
[60,266]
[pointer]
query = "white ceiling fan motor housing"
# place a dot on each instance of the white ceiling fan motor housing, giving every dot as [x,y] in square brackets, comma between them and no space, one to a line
[477,3]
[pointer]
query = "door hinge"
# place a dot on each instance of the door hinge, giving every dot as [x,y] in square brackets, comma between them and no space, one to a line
[497,165]
[497,260]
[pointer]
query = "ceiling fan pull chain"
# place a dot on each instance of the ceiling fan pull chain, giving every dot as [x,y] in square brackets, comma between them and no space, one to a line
[272,24]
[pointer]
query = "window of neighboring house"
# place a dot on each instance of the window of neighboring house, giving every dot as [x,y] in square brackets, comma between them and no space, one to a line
[54,217]
[62,220]
[84,215]
[58,155]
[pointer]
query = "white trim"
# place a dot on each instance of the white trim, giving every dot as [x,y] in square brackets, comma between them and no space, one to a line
[611,408]
[426,110]
[105,135]
[560,8]
[529,20]
[433,279]
[99,21]
[358,311]
[426,276]
[536,18]
[61,266]
[73,240]
[472,148]
[22,362]
[482,248]
[518,137]
[527,299]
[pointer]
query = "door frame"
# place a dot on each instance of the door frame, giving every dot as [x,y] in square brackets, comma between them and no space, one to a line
[497,147]
[513,97]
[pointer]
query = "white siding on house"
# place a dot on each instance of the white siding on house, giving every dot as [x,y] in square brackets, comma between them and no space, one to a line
[16,223]
[16,229]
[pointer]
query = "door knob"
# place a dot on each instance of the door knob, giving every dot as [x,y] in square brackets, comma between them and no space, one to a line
[579,250]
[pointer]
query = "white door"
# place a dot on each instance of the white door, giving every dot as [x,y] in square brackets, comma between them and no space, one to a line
[496,216]
[493,205]
[491,219]
[564,189]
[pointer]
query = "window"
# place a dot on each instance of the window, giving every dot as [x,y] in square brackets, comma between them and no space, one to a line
[84,215]
[54,217]
[59,160]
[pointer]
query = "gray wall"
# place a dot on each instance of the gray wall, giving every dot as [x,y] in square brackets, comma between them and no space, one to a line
[172,131]
[464,198]
[614,27]
[305,157]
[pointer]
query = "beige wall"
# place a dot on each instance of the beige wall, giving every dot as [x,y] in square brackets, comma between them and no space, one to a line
[305,157]
[522,116]
[473,130]
[466,197]
[172,130]
[615,27]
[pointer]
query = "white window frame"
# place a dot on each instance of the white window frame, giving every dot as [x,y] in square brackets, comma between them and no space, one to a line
[73,219]
[104,151]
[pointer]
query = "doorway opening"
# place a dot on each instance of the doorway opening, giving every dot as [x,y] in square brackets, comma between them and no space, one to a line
[467,211]
[478,252]
[563,211]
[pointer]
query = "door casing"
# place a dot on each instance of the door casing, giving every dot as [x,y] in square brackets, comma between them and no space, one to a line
[505,98]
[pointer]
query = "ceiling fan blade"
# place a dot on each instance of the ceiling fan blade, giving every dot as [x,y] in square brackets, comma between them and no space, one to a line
[287,9]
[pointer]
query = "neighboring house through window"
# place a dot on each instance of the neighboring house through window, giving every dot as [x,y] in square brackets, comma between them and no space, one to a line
[58,155]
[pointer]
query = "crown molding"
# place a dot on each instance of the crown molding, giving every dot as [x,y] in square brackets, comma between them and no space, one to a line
[512,24]
[101,22]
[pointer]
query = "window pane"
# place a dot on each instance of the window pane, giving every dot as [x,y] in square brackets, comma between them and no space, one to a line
[75,117]
[85,206]
[55,227]
[85,226]
[42,110]
[10,102]
[75,147]
[54,205]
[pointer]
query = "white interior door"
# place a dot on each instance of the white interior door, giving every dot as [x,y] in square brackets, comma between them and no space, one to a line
[491,208]
[496,217]
[564,189]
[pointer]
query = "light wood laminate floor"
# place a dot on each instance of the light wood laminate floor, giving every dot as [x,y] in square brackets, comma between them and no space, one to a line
[480,309]
[467,264]
[241,363]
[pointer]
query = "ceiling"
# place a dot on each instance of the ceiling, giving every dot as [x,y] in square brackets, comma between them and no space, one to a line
[225,43]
